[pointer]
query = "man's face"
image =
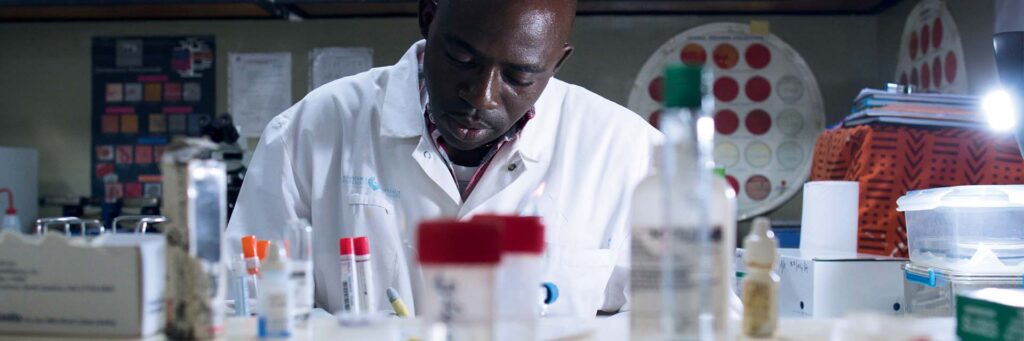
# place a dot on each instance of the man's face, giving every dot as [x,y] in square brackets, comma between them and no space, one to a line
[486,63]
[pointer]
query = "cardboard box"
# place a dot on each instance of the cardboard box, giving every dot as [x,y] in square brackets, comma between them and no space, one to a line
[833,284]
[110,286]
[990,314]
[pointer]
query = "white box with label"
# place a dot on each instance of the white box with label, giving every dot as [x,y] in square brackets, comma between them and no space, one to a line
[826,284]
[110,286]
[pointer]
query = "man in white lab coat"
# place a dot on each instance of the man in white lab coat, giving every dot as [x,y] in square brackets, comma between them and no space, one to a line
[469,121]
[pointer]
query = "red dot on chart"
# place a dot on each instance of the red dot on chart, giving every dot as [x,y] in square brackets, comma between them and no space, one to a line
[758,187]
[655,119]
[913,45]
[950,67]
[654,89]
[925,39]
[758,56]
[926,76]
[937,33]
[758,89]
[734,183]
[726,56]
[903,78]
[758,122]
[726,89]
[937,72]
[693,54]
[913,77]
[726,122]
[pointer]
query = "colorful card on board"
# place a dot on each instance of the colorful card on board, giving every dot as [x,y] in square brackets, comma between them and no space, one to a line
[157,123]
[196,123]
[172,92]
[104,169]
[130,124]
[153,92]
[132,190]
[132,92]
[152,190]
[109,124]
[114,191]
[115,92]
[124,154]
[192,92]
[143,154]
[177,123]
[105,153]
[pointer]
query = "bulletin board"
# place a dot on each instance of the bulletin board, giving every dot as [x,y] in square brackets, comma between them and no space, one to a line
[768,108]
[931,56]
[145,91]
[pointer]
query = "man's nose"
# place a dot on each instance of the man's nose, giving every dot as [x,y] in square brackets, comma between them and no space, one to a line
[482,91]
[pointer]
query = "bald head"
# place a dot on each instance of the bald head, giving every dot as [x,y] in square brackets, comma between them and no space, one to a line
[487,62]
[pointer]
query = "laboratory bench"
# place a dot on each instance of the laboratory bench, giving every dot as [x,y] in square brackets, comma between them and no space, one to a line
[323,326]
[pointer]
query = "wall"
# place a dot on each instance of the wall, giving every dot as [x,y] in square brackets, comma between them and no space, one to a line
[44,93]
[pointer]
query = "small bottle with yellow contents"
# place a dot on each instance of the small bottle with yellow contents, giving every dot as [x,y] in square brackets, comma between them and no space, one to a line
[760,284]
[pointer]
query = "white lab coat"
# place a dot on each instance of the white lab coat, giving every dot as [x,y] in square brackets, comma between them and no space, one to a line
[352,158]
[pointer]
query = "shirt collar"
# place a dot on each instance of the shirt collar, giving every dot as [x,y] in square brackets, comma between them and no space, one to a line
[401,111]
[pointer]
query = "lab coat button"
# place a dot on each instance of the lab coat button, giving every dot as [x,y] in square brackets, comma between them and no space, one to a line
[426,154]
[512,167]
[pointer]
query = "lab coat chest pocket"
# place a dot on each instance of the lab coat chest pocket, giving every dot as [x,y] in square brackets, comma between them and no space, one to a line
[582,272]
[373,216]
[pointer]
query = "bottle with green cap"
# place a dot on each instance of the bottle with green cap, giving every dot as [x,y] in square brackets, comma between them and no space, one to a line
[683,223]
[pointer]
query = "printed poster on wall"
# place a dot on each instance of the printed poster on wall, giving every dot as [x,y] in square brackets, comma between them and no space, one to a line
[768,108]
[930,55]
[145,91]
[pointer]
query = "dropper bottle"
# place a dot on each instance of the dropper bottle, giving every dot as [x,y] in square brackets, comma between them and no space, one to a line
[761,284]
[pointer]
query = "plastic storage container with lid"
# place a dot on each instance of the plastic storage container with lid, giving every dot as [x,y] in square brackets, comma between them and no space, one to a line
[932,292]
[970,229]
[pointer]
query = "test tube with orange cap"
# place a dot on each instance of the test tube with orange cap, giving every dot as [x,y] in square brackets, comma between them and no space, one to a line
[252,263]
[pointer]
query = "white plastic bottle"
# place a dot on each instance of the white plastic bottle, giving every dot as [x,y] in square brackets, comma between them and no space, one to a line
[760,284]
[364,270]
[683,222]
[276,295]
[519,275]
[349,277]
[459,261]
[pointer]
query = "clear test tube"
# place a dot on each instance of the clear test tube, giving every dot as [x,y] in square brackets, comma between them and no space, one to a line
[240,286]
[459,261]
[349,278]
[299,244]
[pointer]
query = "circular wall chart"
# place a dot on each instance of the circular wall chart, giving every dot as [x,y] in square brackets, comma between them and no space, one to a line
[768,108]
[930,54]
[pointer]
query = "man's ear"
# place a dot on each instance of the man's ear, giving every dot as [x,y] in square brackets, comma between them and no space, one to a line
[566,52]
[428,10]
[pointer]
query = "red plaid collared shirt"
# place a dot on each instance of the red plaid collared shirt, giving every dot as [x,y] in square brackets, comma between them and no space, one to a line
[442,148]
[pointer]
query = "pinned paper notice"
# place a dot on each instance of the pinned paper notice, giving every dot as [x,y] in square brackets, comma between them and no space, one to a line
[759,27]
[329,63]
[259,88]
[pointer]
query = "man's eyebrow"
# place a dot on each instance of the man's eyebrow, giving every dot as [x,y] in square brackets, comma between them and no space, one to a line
[528,68]
[461,43]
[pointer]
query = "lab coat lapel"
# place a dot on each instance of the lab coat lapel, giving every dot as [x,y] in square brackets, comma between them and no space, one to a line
[427,157]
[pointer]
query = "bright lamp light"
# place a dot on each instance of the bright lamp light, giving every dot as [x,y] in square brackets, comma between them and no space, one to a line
[999,110]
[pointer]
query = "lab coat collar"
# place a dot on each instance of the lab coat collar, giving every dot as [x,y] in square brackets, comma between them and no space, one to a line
[401,114]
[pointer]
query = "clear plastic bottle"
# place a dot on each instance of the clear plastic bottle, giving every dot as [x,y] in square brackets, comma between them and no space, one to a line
[299,242]
[459,261]
[760,284]
[679,285]
[276,317]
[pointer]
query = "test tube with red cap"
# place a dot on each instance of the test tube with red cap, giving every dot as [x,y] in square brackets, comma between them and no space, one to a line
[459,261]
[349,277]
[519,275]
[364,269]
[252,264]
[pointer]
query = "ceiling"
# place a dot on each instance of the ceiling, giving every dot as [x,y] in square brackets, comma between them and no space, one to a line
[35,10]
